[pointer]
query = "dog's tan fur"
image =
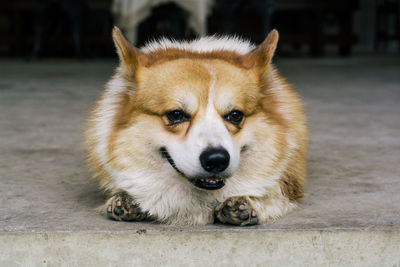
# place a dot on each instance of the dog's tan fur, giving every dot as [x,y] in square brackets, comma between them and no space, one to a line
[128,122]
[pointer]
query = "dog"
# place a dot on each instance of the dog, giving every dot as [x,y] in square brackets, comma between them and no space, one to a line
[190,133]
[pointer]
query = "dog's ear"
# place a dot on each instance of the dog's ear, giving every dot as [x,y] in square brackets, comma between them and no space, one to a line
[128,54]
[262,55]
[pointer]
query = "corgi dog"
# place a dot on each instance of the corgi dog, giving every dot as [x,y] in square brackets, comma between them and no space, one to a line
[191,133]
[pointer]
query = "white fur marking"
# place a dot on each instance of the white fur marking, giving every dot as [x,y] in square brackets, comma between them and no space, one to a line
[202,45]
[211,93]
[105,115]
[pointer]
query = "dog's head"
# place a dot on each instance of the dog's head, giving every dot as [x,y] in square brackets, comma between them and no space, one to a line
[193,108]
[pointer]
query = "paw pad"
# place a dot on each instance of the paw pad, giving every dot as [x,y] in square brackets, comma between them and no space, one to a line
[122,207]
[236,211]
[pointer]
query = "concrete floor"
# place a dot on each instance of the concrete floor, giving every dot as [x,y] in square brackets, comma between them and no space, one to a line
[352,200]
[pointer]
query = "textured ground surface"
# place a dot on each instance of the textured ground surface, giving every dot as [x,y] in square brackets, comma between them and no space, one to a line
[353,107]
[354,161]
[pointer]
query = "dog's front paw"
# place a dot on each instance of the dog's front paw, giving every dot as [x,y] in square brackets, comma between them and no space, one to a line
[237,211]
[122,207]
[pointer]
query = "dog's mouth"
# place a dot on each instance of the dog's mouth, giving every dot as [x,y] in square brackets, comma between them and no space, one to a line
[208,183]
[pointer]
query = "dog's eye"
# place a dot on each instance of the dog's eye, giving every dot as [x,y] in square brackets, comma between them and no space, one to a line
[234,117]
[177,116]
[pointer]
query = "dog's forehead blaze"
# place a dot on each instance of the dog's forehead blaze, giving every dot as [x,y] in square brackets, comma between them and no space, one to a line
[186,83]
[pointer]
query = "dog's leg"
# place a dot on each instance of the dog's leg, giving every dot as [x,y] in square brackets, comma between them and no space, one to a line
[122,207]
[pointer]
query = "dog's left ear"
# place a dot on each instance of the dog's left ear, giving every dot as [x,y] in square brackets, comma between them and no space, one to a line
[128,54]
[262,55]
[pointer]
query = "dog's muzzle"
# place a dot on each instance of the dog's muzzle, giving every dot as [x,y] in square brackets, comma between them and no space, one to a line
[167,156]
[212,160]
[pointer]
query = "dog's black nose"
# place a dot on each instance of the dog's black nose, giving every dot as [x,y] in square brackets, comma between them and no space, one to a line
[214,160]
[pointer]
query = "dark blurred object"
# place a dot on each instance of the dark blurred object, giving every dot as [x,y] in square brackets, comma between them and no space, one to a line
[156,18]
[74,11]
[262,9]
[13,25]
[387,27]
[167,20]
[317,23]
[18,23]
[250,19]
[312,22]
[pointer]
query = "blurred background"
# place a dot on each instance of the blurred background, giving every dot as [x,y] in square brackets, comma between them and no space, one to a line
[37,29]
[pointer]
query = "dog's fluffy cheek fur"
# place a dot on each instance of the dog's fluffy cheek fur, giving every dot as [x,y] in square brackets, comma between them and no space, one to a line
[261,149]
[133,144]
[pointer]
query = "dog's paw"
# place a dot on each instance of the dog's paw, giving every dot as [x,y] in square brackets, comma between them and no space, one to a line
[122,207]
[237,211]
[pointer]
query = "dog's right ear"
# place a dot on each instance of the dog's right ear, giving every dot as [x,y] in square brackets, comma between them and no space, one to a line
[262,55]
[129,55]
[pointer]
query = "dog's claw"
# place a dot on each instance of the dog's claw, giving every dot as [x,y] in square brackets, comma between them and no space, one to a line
[244,215]
[254,220]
